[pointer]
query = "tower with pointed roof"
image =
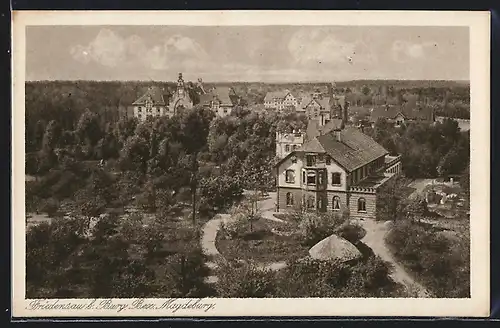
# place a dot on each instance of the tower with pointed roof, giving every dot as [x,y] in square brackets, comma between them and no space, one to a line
[180,98]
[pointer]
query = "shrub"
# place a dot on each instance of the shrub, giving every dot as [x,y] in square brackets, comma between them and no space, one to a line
[441,266]
[245,280]
[352,232]
[49,206]
[315,227]
[315,278]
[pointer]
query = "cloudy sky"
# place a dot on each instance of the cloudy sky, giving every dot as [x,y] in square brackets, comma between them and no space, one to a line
[257,53]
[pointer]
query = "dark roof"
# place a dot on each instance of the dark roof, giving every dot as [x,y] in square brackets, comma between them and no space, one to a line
[385,111]
[270,96]
[414,112]
[223,94]
[157,95]
[354,149]
[324,102]
[409,110]
[304,101]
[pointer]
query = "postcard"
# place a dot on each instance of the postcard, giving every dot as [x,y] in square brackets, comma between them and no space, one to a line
[250,163]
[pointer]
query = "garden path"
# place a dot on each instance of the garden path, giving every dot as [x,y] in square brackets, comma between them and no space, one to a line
[419,186]
[375,239]
[210,229]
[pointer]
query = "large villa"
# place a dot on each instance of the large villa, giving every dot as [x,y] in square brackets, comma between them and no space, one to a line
[332,168]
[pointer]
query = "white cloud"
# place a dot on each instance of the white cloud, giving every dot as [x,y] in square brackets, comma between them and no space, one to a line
[402,50]
[110,49]
[320,47]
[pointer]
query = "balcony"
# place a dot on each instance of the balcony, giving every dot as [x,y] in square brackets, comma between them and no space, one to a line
[391,160]
[371,184]
[314,179]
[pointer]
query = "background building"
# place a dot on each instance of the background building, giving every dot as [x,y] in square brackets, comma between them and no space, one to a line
[220,100]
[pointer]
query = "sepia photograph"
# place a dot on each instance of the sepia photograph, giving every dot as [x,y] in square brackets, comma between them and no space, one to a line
[191,165]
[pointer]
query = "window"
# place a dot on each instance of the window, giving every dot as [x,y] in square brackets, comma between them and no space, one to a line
[336,203]
[310,202]
[289,199]
[310,160]
[290,176]
[303,177]
[287,148]
[336,178]
[140,109]
[311,178]
[149,105]
[361,205]
[328,160]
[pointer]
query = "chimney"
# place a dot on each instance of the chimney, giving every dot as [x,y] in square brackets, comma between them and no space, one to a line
[338,135]
[344,114]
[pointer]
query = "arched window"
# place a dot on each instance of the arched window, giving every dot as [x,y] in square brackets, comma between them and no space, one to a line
[310,202]
[290,176]
[287,148]
[289,199]
[336,203]
[336,178]
[361,205]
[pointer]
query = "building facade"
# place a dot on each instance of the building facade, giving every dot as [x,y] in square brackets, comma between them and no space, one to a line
[403,114]
[288,142]
[219,100]
[280,100]
[181,98]
[341,170]
[156,102]
[151,104]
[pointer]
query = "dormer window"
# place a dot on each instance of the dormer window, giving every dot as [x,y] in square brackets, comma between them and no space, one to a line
[310,160]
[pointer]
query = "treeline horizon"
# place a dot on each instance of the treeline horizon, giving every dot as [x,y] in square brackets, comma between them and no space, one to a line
[459,83]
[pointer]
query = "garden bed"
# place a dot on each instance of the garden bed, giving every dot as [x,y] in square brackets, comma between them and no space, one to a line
[266,242]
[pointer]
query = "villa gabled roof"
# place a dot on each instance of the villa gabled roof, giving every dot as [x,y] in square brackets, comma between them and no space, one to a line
[409,111]
[355,149]
[157,96]
[324,102]
[304,102]
[270,96]
[220,93]
[352,150]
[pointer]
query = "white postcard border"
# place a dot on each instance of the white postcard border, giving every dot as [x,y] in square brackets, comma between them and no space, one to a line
[476,306]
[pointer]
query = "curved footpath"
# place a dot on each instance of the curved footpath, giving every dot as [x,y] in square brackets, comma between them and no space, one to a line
[374,238]
[211,228]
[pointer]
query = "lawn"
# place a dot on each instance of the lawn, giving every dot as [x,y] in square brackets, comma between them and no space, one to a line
[266,242]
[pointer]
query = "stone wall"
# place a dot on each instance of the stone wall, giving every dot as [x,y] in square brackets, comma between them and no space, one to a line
[371,203]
